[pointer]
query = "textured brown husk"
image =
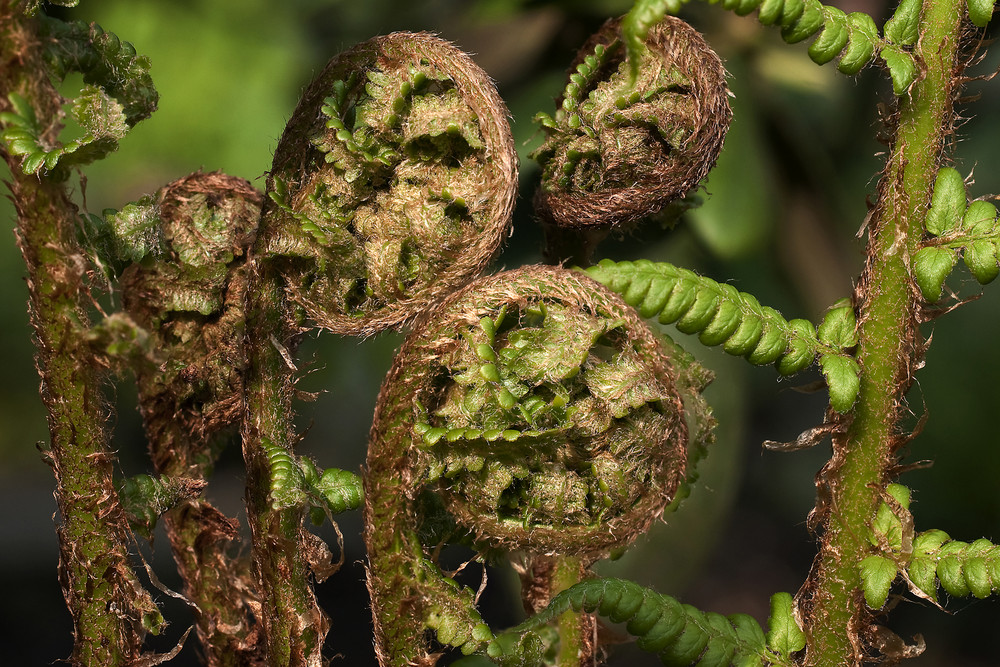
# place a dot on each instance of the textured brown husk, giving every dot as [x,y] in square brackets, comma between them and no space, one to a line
[301,165]
[623,194]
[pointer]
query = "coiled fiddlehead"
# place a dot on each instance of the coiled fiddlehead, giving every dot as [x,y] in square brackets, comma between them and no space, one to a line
[180,257]
[620,149]
[392,184]
[678,633]
[118,94]
[956,227]
[721,315]
[544,415]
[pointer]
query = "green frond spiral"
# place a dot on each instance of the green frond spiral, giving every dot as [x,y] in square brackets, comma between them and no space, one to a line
[330,491]
[956,228]
[392,184]
[678,633]
[118,93]
[624,144]
[536,413]
[721,315]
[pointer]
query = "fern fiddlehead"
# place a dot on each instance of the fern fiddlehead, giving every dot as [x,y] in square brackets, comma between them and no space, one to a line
[179,256]
[618,150]
[545,416]
[118,93]
[392,185]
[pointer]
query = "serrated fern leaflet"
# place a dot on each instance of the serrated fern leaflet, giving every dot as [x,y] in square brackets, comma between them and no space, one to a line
[853,38]
[928,559]
[956,228]
[678,633]
[721,315]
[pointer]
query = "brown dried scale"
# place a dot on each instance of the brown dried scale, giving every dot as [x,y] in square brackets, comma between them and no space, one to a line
[615,152]
[392,185]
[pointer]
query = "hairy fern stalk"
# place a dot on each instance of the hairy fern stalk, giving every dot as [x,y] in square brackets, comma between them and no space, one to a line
[540,418]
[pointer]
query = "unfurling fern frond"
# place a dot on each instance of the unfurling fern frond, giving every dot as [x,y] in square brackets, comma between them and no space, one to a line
[392,184]
[678,633]
[622,144]
[854,37]
[956,228]
[534,413]
[721,315]
[118,94]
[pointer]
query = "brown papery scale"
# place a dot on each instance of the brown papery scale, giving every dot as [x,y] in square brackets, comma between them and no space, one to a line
[615,152]
[543,416]
[392,184]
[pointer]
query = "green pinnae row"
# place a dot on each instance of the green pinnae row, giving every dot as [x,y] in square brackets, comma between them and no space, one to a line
[854,37]
[929,559]
[679,634]
[721,315]
[956,228]
[297,482]
[959,568]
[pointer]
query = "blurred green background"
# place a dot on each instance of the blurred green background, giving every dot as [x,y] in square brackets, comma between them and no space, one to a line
[780,220]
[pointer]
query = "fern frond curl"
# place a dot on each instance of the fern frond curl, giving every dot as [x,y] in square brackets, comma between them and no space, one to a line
[721,315]
[678,633]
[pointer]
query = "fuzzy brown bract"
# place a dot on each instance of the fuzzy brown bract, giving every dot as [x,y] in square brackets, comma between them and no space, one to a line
[392,185]
[615,153]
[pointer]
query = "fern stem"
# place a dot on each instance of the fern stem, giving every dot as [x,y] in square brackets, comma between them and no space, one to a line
[889,344]
[110,610]
[574,649]
[293,623]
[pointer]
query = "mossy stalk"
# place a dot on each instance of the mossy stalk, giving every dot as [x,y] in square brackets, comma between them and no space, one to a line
[110,610]
[294,625]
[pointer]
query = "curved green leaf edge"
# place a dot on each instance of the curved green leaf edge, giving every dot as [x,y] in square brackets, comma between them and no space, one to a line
[854,37]
[144,498]
[721,315]
[956,228]
[678,633]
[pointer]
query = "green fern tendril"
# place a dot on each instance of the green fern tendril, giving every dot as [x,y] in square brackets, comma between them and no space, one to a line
[721,315]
